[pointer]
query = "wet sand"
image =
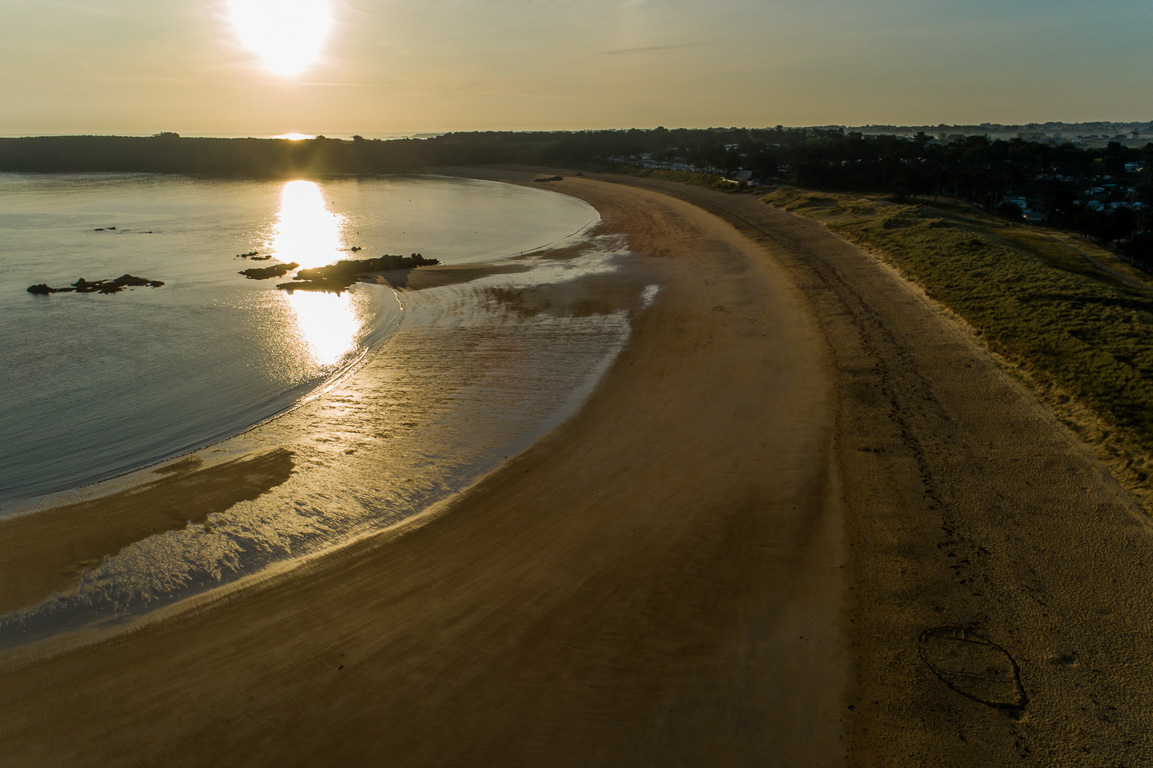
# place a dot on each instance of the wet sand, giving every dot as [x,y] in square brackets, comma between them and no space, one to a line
[48,550]
[443,274]
[730,556]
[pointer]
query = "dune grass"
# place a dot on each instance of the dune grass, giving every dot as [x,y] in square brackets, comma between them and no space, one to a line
[1082,334]
[694,178]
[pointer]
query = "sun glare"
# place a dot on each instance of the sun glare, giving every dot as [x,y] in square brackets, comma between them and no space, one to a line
[328,324]
[306,231]
[286,34]
[311,235]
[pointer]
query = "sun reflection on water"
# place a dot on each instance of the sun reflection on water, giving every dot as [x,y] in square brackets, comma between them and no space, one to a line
[306,231]
[328,323]
[309,234]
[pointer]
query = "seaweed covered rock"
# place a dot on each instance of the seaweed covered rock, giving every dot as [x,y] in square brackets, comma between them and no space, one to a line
[336,278]
[263,273]
[97,286]
[42,289]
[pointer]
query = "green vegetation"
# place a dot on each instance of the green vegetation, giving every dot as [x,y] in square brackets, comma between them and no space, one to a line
[1076,328]
[710,180]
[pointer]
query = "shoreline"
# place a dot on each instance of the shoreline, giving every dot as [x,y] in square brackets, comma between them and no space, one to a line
[796,481]
[62,456]
[75,557]
[187,460]
[578,466]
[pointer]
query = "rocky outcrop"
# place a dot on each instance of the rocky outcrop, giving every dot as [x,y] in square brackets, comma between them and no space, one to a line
[336,278]
[42,289]
[263,273]
[97,286]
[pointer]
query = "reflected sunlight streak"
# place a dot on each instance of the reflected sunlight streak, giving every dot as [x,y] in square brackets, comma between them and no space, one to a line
[328,323]
[286,34]
[308,233]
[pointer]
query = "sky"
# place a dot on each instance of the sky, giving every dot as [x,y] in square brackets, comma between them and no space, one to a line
[384,68]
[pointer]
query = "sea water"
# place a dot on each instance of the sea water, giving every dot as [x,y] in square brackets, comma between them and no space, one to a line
[95,385]
[389,402]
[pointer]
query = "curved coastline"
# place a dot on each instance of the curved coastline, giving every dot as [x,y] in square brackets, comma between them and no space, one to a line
[128,475]
[70,548]
[519,520]
[796,470]
[62,482]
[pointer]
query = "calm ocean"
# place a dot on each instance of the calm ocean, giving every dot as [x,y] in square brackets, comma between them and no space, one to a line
[96,385]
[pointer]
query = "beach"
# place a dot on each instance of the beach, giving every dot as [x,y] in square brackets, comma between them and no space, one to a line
[737,552]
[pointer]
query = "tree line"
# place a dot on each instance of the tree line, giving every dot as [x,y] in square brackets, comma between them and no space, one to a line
[1102,192]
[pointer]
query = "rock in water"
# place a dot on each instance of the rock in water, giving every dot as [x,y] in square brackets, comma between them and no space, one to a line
[337,277]
[99,286]
[263,273]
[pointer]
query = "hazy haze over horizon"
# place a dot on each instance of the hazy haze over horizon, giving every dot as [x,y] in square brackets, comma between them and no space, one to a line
[135,67]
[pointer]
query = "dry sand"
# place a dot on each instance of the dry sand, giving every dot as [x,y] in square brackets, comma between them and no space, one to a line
[728,557]
[967,505]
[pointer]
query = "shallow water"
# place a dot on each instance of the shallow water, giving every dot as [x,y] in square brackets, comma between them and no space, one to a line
[97,385]
[456,380]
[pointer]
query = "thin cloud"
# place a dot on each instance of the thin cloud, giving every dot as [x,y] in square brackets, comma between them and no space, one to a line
[648,49]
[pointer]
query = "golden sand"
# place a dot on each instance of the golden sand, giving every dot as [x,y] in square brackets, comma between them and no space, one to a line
[796,472]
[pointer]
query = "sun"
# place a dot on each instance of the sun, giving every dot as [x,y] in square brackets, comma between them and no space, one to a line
[286,34]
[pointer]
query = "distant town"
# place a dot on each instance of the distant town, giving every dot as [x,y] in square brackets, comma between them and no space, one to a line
[1091,134]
